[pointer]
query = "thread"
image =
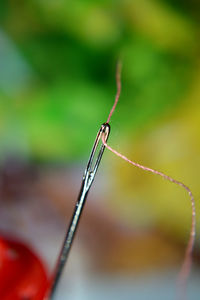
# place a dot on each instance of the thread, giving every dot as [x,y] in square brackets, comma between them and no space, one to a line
[187,262]
[118,81]
[186,266]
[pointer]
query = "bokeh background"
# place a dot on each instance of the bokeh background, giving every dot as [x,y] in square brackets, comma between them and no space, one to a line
[57,86]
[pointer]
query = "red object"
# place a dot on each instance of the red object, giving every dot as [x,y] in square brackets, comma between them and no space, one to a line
[22,275]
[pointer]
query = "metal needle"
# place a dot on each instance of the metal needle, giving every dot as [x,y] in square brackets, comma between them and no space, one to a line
[87,181]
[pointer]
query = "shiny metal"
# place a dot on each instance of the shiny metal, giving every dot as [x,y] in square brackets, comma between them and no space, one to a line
[87,181]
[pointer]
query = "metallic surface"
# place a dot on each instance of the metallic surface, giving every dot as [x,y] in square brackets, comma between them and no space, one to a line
[87,181]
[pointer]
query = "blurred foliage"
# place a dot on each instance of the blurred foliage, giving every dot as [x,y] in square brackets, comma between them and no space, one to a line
[57,70]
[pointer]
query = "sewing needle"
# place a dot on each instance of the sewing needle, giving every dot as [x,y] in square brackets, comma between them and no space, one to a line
[87,181]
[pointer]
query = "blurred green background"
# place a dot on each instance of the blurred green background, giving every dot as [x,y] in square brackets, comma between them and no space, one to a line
[57,86]
[57,69]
